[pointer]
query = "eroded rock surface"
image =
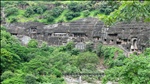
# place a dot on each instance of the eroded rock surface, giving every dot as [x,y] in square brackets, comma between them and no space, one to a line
[133,36]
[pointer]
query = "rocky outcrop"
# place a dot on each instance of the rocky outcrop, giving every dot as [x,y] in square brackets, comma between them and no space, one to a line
[133,36]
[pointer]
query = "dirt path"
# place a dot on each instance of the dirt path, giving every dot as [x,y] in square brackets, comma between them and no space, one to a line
[101,66]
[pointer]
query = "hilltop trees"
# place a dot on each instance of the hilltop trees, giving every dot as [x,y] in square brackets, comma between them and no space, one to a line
[36,9]
[130,10]
[24,11]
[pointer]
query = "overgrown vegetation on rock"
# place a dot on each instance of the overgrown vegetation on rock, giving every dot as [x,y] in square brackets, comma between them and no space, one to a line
[34,64]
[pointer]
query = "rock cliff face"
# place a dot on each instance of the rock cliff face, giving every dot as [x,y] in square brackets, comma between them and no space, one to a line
[133,36]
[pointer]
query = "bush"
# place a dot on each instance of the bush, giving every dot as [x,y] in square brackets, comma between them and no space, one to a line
[37,9]
[74,51]
[57,3]
[108,7]
[86,13]
[7,75]
[33,44]
[75,7]
[57,11]
[50,19]
[100,50]
[70,15]
[29,11]
[11,11]
[61,20]
[30,79]
[134,71]
[57,73]
[12,20]
[89,47]
[85,58]
[70,45]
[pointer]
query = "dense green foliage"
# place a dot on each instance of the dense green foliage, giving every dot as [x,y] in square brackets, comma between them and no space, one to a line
[132,70]
[45,64]
[53,12]
[135,69]
[128,11]
[34,64]
[39,63]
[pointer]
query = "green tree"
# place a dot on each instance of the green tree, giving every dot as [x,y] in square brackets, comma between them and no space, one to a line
[136,69]
[13,19]
[130,10]
[86,13]
[57,11]
[70,15]
[22,4]
[75,7]
[147,52]
[9,61]
[85,58]
[75,51]
[70,45]
[50,19]
[29,11]
[108,6]
[6,75]
[100,50]
[33,44]
[30,79]
[11,11]
[89,47]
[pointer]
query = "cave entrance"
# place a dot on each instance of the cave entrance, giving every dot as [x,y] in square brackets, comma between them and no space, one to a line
[134,44]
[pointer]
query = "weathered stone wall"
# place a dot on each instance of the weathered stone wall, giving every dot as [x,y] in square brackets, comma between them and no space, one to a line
[132,36]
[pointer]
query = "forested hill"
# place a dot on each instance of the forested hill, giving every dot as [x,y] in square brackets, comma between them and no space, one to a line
[53,12]
[49,12]
[39,63]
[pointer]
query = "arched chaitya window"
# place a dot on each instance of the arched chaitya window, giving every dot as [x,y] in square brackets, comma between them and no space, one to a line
[134,44]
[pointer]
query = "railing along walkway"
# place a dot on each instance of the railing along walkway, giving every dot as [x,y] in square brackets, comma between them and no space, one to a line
[83,74]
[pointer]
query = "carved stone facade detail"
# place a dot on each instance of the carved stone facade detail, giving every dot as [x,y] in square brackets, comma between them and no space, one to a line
[133,36]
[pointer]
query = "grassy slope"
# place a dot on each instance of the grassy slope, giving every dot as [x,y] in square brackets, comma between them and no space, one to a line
[21,18]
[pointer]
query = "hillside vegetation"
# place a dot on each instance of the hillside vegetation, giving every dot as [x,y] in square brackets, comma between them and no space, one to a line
[49,12]
[37,63]
[53,12]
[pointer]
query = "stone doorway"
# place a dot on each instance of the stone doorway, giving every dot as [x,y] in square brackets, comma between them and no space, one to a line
[133,45]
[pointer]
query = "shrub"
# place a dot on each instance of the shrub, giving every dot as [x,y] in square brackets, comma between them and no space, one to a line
[11,11]
[57,72]
[29,11]
[37,9]
[57,3]
[75,7]
[57,11]
[74,51]
[70,45]
[33,44]
[89,47]
[7,75]
[86,57]
[30,79]
[100,50]
[12,20]
[50,19]
[108,7]
[86,13]
[70,15]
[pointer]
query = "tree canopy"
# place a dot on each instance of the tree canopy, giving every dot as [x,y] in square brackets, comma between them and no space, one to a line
[128,11]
